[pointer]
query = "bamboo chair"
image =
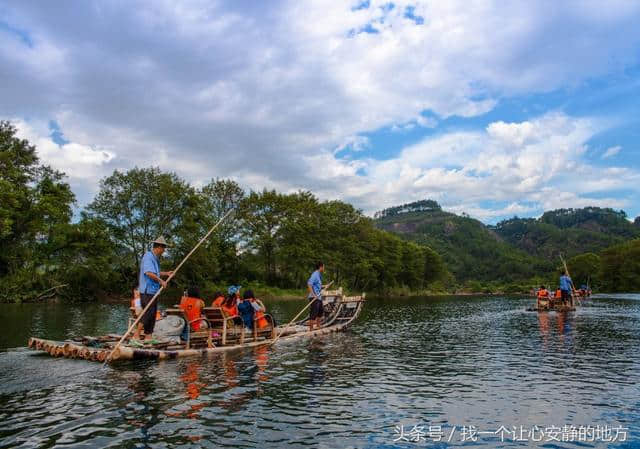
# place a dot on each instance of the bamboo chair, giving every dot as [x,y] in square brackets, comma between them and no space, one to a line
[195,339]
[268,332]
[223,324]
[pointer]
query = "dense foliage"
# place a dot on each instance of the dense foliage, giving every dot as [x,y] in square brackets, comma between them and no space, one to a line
[470,249]
[525,252]
[568,231]
[620,267]
[41,249]
[271,238]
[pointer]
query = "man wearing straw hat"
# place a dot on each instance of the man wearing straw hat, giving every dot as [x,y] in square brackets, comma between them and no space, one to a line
[150,282]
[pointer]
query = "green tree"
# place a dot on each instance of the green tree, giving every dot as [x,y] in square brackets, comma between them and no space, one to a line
[620,267]
[262,215]
[35,208]
[141,204]
[584,269]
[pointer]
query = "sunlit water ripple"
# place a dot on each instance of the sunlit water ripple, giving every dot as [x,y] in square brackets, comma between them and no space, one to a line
[448,362]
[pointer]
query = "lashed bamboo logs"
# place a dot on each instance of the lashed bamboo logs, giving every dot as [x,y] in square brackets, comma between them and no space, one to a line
[71,349]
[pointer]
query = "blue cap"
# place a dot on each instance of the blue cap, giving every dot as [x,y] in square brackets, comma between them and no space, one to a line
[233,289]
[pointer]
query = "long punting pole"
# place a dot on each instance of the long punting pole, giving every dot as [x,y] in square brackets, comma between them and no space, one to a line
[298,315]
[566,270]
[137,320]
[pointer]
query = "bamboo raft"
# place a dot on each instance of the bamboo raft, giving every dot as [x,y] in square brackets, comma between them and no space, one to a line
[552,305]
[340,312]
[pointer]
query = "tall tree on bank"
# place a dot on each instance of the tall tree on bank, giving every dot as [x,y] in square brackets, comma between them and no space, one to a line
[261,218]
[35,210]
[217,259]
[141,204]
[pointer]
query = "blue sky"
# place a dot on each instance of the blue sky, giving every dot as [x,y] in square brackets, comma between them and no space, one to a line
[492,109]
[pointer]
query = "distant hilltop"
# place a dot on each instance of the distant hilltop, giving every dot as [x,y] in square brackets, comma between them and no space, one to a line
[418,206]
[516,248]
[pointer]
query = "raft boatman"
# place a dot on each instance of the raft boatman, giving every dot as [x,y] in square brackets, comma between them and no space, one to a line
[314,284]
[150,281]
[566,287]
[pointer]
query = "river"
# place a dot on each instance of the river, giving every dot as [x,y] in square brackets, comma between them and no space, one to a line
[411,372]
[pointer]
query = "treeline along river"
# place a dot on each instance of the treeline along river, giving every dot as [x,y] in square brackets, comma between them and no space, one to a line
[418,368]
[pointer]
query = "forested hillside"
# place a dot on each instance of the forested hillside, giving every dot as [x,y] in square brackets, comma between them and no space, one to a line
[470,249]
[598,244]
[570,231]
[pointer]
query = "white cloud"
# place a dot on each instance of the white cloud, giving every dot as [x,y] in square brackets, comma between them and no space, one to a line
[78,161]
[611,151]
[528,166]
[268,93]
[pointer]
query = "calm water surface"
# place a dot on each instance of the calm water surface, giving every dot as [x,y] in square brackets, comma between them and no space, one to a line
[406,365]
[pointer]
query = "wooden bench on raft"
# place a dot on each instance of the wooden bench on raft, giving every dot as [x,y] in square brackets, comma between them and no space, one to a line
[195,339]
[224,330]
[268,331]
[232,333]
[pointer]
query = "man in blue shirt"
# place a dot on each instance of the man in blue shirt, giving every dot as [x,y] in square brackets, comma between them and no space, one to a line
[150,281]
[314,284]
[566,286]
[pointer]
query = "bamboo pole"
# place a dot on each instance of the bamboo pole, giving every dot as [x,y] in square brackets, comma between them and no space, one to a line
[173,273]
[300,313]
[566,270]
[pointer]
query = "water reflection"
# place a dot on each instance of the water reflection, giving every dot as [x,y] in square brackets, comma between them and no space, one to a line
[446,361]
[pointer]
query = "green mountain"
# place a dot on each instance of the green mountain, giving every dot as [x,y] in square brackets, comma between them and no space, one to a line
[516,249]
[568,231]
[471,250]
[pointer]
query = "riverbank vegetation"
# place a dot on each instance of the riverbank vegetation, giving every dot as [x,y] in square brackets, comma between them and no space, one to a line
[51,248]
[271,239]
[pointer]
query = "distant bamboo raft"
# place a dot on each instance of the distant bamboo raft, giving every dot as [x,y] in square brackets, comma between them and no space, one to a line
[342,311]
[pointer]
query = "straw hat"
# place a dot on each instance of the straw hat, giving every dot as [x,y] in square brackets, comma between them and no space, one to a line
[160,241]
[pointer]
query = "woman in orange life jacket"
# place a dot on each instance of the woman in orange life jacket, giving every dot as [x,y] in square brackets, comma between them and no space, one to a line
[218,299]
[543,294]
[230,304]
[192,305]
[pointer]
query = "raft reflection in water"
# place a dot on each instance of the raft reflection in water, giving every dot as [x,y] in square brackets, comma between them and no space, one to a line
[564,325]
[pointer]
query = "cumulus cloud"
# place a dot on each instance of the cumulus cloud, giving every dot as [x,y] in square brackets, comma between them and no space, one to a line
[527,166]
[270,93]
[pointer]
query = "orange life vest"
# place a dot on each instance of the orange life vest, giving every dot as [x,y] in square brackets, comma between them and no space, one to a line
[543,293]
[218,302]
[191,307]
[231,311]
[261,321]
[558,294]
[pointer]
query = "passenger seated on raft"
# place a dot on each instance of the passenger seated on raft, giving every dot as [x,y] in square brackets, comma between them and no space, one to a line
[218,299]
[558,294]
[246,310]
[543,293]
[259,309]
[192,306]
[230,304]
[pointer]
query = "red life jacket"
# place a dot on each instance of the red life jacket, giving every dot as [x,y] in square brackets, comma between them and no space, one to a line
[192,309]
[543,293]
